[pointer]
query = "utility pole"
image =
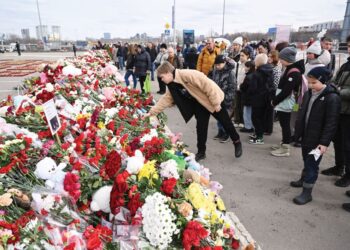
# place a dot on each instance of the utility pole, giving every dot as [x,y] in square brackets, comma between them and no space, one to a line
[40,26]
[223,20]
[346,23]
[173,12]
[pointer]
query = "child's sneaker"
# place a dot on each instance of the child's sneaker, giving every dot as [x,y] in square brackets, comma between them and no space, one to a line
[252,136]
[256,141]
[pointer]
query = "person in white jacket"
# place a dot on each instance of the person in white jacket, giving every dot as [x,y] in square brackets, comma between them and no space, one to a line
[316,57]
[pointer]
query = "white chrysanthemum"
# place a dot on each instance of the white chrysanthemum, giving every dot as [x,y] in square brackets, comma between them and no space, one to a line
[158,221]
[149,136]
[169,169]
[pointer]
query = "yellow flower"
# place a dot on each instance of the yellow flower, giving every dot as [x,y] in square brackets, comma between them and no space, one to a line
[101,125]
[220,203]
[81,116]
[198,199]
[148,171]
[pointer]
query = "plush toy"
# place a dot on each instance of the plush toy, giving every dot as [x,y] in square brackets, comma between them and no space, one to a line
[192,163]
[194,176]
[215,186]
[100,199]
[47,169]
[135,163]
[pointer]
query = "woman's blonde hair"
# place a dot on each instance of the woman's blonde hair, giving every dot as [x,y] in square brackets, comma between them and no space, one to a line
[165,67]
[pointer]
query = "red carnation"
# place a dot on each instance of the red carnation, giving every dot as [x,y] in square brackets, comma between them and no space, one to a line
[134,204]
[235,244]
[168,186]
[72,186]
[111,166]
[193,234]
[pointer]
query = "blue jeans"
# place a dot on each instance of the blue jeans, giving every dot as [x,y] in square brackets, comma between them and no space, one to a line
[126,77]
[153,67]
[311,167]
[121,62]
[247,117]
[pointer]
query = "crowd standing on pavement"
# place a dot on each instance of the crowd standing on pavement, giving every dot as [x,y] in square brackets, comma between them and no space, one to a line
[249,88]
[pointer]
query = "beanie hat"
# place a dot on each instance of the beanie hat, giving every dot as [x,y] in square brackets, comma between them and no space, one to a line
[320,73]
[238,40]
[260,59]
[219,59]
[315,48]
[288,54]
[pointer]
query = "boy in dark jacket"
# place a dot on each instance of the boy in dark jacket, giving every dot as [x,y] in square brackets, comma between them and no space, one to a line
[224,76]
[259,93]
[316,126]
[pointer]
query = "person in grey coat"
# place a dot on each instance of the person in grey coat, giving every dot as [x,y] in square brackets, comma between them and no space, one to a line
[224,76]
[143,65]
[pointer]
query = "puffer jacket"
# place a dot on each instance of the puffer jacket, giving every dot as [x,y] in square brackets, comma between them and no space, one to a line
[258,86]
[342,81]
[323,118]
[142,63]
[206,60]
[226,80]
[313,64]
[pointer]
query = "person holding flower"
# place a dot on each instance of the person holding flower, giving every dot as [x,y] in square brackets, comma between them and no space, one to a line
[195,95]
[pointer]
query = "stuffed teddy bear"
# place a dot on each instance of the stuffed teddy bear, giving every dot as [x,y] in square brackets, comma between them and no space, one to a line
[47,170]
[194,176]
[135,163]
[100,199]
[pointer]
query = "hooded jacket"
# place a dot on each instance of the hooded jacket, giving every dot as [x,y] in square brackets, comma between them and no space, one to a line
[323,118]
[226,80]
[206,60]
[258,87]
[142,62]
[342,81]
[289,82]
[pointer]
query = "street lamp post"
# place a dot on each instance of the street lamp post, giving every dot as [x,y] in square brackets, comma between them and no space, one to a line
[174,23]
[40,26]
[223,20]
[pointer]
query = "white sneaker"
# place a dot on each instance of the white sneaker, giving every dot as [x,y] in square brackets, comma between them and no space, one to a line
[241,125]
[236,125]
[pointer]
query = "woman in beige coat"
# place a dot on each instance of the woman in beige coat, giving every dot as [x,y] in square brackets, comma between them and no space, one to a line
[195,94]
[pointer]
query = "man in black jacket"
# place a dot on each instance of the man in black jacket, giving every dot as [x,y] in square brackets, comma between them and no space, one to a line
[316,125]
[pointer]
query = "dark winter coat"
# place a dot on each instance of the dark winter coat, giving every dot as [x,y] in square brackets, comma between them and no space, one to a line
[258,86]
[245,89]
[142,63]
[323,118]
[342,81]
[226,80]
[121,51]
[191,58]
[153,53]
[130,62]
[289,82]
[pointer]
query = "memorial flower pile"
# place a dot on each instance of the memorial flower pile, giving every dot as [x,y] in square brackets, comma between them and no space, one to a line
[108,177]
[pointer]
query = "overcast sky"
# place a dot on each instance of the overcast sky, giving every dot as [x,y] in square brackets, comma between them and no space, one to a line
[87,18]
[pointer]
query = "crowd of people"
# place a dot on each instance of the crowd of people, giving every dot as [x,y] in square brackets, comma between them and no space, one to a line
[254,86]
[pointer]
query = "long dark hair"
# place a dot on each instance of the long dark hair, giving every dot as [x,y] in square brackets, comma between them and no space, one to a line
[250,65]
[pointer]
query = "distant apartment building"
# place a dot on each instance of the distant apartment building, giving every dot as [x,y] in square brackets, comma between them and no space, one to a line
[42,33]
[25,33]
[56,33]
[331,25]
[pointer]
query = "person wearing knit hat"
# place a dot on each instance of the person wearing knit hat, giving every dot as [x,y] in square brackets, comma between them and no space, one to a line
[236,48]
[315,48]
[316,127]
[288,54]
[224,76]
[238,40]
[284,101]
[321,74]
